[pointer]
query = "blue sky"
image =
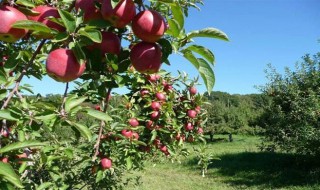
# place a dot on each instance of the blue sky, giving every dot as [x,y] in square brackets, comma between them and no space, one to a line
[279,32]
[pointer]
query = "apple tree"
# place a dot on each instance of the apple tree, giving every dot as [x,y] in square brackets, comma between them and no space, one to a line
[99,45]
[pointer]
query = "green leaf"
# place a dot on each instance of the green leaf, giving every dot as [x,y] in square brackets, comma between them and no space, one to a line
[166,48]
[78,52]
[32,25]
[209,33]
[7,173]
[92,34]
[73,101]
[6,114]
[98,115]
[21,145]
[204,69]
[129,163]
[84,130]
[44,185]
[68,20]
[178,15]
[204,52]
[174,29]
[25,3]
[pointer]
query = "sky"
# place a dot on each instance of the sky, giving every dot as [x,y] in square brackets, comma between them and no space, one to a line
[278,32]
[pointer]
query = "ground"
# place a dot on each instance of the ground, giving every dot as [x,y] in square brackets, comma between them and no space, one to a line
[240,165]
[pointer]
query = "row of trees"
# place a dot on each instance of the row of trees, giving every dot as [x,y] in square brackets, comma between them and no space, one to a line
[237,114]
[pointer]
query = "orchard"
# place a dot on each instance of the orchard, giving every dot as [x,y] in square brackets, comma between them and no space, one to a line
[99,45]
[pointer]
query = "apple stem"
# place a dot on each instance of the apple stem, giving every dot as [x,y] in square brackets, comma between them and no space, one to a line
[24,71]
[102,125]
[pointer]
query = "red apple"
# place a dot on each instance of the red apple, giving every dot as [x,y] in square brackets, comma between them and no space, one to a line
[200,131]
[9,16]
[4,133]
[133,122]
[193,90]
[144,92]
[155,115]
[188,127]
[153,77]
[97,107]
[192,113]
[46,11]
[198,109]
[149,124]
[110,44]
[156,106]
[149,26]
[63,66]
[135,136]
[89,8]
[160,96]
[157,142]
[106,163]
[119,16]
[146,57]
[4,159]
[163,148]
[126,133]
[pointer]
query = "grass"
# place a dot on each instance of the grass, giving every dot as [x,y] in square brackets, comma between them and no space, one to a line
[241,165]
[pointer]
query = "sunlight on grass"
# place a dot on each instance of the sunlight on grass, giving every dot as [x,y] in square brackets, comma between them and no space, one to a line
[241,166]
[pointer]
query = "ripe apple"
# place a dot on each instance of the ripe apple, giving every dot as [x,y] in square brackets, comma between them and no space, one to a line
[156,106]
[119,16]
[149,124]
[198,109]
[157,142]
[90,10]
[9,16]
[110,44]
[144,92]
[106,163]
[149,26]
[200,131]
[163,148]
[153,77]
[188,127]
[133,122]
[4,133]
[135,136]
[160,96]
[193,90]
[63,66]
[4,159]
[46,11]
[192,113]
[155,115]
[146,57]
[126,133]
[97,107]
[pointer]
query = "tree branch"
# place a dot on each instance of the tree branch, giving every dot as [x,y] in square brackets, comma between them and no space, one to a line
[102,125]
[24,71]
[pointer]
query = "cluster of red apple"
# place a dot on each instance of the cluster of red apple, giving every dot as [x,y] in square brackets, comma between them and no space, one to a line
[62,65]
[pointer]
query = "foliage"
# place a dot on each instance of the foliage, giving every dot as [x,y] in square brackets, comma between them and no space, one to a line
[292,121]
[61,142]
[239,114]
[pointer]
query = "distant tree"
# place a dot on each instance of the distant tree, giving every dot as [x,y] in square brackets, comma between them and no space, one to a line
[292,121]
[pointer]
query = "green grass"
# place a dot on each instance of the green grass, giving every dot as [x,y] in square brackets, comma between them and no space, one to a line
[241,165]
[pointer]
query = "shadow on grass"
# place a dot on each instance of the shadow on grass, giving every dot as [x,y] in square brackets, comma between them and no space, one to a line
[265,169]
